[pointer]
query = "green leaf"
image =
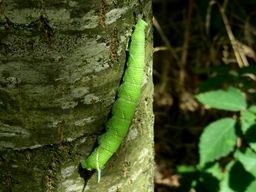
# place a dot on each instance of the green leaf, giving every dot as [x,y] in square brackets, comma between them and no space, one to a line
[247,159]
[252,109]
[249,69]
[248,126]
[186,169]
[208,183]
[251,187]
[220,69]
[188,177]
[215,82]
[231,100]
[217,140]
[236,178]
[212,167]
[224,185]
[214,170]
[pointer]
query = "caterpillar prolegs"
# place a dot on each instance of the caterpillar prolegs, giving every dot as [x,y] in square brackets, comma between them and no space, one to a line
[124,107]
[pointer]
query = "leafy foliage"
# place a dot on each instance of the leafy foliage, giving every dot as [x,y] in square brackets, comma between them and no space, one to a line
[231,100]
[220,50]
[226,75]
[218,141]
[236,178]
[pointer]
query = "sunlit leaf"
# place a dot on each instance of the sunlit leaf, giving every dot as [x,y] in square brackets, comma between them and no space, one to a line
[248,126]
[236,178]
[188,177]
[231,100]
[251,187]
[247,159]
[214,169]
[186,169]
[217,140]
[252,109]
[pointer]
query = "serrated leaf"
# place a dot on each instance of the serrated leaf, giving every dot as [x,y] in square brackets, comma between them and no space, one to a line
[217,140]
[231,100]
[248,126]
[247,159]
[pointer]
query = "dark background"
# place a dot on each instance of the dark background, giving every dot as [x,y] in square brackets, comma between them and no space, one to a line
[199,49]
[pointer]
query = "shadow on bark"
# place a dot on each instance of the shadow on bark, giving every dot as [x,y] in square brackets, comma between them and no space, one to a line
[85,174]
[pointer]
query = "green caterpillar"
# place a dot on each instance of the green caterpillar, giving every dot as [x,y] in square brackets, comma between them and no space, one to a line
[124,107]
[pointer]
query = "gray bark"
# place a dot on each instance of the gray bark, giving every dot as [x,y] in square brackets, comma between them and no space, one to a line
[57,87]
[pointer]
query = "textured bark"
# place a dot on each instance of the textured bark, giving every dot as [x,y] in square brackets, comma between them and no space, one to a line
[58,82]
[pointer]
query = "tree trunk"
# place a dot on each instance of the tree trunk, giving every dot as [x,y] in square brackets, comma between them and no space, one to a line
[60,67]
